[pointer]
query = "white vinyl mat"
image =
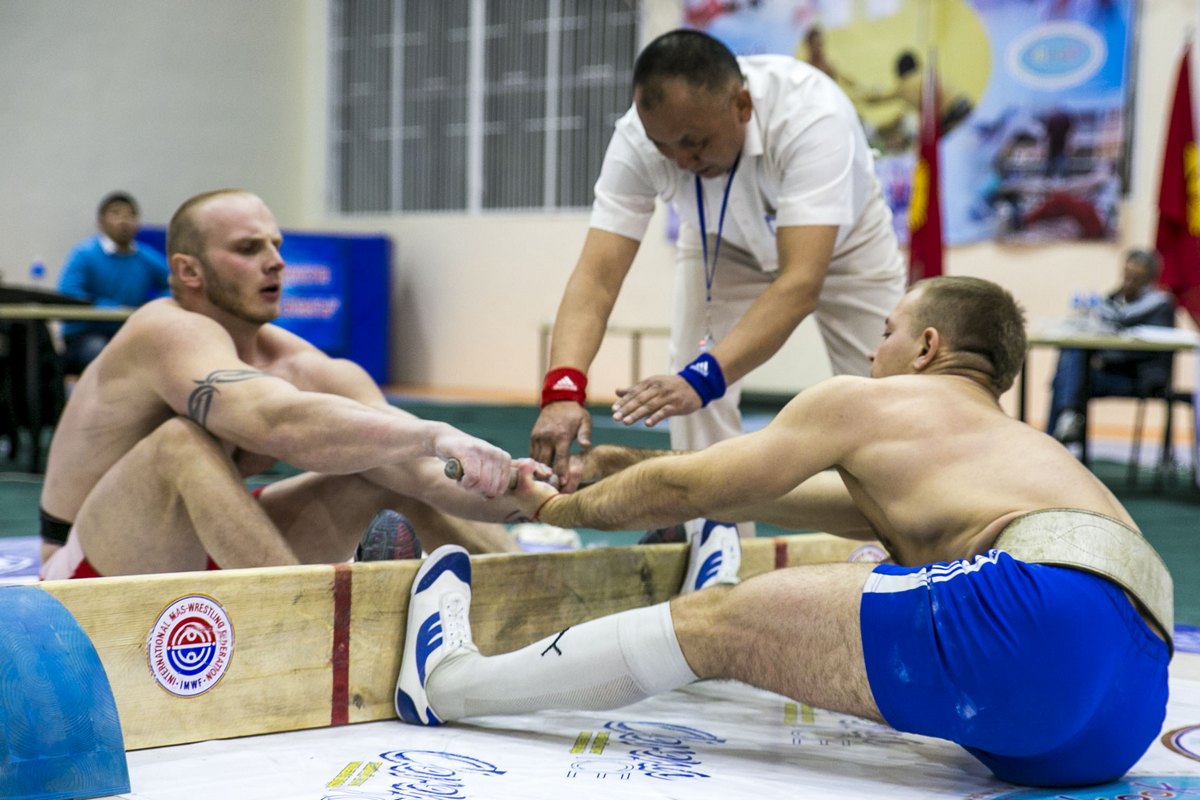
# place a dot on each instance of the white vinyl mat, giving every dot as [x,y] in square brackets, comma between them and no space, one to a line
[718,741]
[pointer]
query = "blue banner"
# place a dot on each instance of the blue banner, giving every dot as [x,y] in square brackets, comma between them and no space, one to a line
[336,293]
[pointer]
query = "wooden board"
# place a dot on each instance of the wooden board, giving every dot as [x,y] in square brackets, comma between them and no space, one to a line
[320,645]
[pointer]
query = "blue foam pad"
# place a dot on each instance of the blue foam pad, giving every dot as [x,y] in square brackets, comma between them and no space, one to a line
[59,732]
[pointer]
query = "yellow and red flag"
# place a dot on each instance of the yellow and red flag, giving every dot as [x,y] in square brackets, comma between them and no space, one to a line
[1178,240]
[925,249]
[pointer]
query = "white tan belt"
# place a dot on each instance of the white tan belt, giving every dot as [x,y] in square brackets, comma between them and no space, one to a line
[1098,544]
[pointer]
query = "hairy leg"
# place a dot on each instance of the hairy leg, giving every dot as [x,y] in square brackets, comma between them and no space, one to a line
[794,631]
[323,516]
[177,499]
[435,528]
[445,513]
[171,502]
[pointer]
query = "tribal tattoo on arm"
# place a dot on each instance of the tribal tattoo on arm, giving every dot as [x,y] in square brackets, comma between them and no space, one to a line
[200,400]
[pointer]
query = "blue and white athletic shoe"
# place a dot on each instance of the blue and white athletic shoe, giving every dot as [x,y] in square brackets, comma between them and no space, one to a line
[716,556]
[438,625]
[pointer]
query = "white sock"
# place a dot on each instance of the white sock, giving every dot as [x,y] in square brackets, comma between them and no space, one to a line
[605,663]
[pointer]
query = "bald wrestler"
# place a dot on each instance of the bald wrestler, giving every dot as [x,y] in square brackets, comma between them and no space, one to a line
[198,391]
[1019,589]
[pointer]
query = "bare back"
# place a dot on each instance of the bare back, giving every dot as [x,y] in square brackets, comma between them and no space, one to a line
[142,378]
[935,465]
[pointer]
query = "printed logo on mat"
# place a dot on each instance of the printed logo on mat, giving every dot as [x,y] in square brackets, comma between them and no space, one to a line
[659,750]
[356,773]
[410,775]
[190,645]
[1132,787]
[1185,741]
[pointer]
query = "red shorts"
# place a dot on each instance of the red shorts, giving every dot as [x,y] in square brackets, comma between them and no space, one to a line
[61,560]
[86,570]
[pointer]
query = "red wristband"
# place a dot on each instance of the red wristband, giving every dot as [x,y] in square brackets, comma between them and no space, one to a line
[564,383]
[537,514]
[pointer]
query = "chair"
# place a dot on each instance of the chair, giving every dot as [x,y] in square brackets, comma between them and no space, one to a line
[1137,376]
[1166,455]
[1155,381]
[29,408]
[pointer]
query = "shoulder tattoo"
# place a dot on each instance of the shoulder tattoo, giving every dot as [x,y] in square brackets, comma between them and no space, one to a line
[200,400]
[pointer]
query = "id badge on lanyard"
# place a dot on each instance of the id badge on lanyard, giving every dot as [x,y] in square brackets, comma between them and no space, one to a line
[710,269]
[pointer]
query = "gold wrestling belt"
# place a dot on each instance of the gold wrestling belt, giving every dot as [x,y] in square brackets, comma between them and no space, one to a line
[1092,542]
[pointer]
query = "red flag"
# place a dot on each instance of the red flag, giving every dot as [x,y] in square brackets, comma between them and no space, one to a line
[1178,240]
[925,205]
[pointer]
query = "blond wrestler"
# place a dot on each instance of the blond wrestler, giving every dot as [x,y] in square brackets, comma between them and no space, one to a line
[198,391]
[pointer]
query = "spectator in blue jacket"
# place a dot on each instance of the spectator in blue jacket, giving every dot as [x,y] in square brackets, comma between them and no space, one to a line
[108,269]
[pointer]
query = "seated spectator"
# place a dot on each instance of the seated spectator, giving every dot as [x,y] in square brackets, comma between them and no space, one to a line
[1115,372]
[108,269]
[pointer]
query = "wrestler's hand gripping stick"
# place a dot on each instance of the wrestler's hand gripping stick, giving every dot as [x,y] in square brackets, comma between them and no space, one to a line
[454,471]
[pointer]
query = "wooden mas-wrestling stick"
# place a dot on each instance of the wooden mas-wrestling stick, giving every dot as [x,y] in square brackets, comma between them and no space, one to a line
[454,471]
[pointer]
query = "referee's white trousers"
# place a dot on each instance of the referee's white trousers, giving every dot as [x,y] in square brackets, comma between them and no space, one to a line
[850,317]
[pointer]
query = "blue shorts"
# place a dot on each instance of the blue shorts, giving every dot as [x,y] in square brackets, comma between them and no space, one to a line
[1045,674]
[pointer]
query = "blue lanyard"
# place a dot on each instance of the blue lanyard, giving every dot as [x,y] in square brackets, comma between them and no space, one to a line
[710,271]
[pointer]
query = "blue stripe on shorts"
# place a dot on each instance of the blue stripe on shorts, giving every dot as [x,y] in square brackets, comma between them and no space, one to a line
[1046,674]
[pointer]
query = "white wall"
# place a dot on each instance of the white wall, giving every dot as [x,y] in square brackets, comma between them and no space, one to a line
[163,98]
[169,97]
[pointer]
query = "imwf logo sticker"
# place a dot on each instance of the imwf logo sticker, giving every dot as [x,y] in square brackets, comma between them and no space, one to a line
[190,645]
